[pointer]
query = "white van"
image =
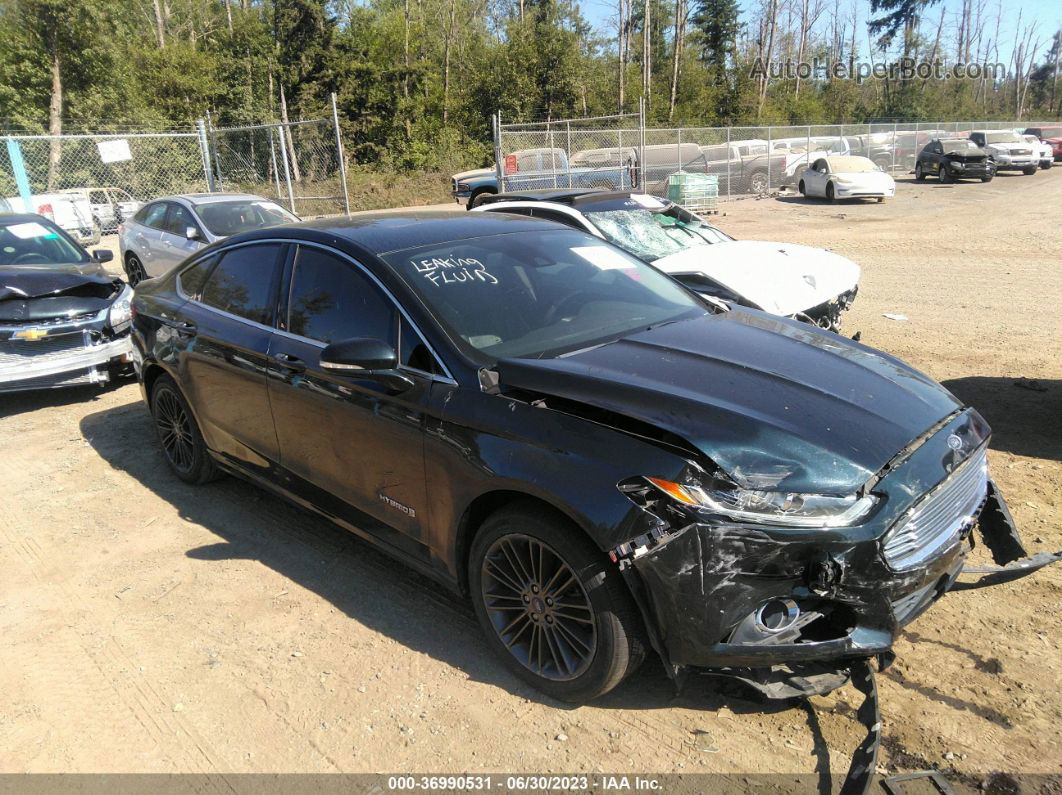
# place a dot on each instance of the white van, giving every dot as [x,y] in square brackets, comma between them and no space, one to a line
[70,211]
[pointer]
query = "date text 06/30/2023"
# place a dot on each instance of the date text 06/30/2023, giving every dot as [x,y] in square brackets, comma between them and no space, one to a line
[577,783]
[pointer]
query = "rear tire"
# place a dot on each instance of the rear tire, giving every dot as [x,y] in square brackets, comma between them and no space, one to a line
[758,182]
[552,606]
[182,443]
[134,270]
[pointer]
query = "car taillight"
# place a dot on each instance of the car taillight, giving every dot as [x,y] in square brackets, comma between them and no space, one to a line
[47,211]
[511,166]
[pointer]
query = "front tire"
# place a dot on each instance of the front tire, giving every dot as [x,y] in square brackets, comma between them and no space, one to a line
[831,194]
[182,443]
[943,175]
[800,188]
[986,179]
[552,606]
[1029,170]
[478,197]
[920,175]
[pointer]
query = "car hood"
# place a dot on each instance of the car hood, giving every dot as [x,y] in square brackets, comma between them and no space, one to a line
[781,278]
[975,151]
[1009,147]
[36,281]
[775,403]
[476,172]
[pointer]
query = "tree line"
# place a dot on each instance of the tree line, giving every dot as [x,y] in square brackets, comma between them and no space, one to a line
[417,80]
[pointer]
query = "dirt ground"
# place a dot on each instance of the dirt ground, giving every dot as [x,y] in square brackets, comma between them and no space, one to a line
[152,626]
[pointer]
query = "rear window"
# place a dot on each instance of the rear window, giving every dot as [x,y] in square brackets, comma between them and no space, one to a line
[242,282]
[232,217]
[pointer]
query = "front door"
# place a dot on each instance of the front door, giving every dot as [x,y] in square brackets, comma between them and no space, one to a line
[350,437]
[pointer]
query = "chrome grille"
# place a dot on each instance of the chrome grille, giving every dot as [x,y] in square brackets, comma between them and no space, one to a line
[936,520]
[15,351]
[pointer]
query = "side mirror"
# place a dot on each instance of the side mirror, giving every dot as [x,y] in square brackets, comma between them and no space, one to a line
[102,255]
[191,233]
[363,357]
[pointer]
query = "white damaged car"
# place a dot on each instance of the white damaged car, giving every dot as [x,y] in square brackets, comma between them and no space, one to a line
[846,177]
[809,284]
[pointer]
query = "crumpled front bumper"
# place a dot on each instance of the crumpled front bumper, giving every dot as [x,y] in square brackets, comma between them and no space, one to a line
[701,590]
[20,373]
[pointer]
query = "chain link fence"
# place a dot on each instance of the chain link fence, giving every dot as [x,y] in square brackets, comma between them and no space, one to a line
[744,160]
[298,164]
[89,183]
[598,152]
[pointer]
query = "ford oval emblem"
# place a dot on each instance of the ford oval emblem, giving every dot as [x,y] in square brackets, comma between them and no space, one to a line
[954,442]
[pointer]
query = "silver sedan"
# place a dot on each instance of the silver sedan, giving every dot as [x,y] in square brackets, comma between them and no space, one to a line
[171,228]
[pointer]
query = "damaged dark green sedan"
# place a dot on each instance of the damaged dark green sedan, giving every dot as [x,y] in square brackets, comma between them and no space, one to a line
[603,461]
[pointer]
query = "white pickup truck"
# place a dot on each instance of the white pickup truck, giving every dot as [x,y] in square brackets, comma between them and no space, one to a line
[70,211]
[1008,149]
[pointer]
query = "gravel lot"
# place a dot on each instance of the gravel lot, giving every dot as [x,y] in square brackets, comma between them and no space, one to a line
[152,626]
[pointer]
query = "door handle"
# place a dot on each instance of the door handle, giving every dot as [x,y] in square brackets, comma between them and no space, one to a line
[184,328]
[289,362]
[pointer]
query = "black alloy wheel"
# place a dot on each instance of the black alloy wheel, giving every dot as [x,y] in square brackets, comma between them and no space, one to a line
[134,270]
[538,608]
[182,443]
[552,605]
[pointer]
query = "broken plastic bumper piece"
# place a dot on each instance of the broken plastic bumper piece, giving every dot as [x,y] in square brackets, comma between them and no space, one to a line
[726,596]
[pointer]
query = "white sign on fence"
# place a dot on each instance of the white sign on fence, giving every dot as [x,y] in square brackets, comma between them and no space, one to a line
[114,151]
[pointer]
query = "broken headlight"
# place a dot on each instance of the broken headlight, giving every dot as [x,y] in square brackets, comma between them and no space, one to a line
[121,310]
[721,496]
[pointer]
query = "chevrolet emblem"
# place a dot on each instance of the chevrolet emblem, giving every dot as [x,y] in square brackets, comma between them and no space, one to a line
[30,334]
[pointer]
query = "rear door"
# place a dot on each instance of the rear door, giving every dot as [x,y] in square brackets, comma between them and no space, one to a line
[143,236]
[174,244]
[351,438]
[226,327]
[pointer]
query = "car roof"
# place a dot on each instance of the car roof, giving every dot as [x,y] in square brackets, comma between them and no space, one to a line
[211,198]
[384,231]
[577,198]
[24,218]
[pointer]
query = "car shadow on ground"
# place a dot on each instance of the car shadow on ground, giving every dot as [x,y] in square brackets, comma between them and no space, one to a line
[22,402]
[364,583]
[1025,414]
[814,201]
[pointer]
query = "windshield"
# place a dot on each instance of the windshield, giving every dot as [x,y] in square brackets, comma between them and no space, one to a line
[229,218]
[852,165]
[539,294]
[653,234]
[957,145]
[36,243]
[1003,138]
